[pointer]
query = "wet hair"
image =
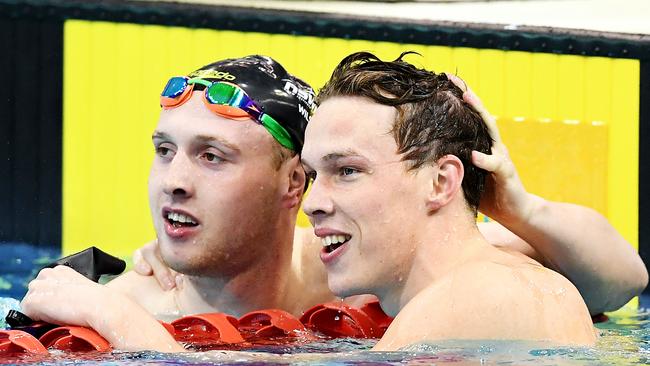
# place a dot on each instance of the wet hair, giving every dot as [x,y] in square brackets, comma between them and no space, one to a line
[280,155]
[432,118]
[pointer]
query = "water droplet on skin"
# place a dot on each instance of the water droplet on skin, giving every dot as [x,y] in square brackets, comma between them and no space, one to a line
[337,318]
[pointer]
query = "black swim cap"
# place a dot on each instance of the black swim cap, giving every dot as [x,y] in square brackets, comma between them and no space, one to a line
[287,99]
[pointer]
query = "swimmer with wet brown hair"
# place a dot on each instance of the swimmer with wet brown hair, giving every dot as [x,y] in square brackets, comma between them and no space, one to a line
[394,197]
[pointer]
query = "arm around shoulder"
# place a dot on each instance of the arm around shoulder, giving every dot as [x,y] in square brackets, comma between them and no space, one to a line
[581,244]
[574,240]
[146,292]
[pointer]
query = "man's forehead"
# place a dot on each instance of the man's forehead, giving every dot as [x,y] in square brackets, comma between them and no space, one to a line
[197,138]
[236,135]
[325,149]
[342,128]
[345,114]
[194,119]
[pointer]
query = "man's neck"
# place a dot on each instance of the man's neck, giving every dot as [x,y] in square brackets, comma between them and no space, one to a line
[446,243]
[261,285]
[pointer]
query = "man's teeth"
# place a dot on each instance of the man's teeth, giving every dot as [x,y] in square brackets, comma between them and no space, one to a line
[174,216]
[334,239]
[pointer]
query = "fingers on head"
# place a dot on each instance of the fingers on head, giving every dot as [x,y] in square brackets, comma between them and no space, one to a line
[493,129]
[460,83]
[486,162]
[480,159]
[471,98]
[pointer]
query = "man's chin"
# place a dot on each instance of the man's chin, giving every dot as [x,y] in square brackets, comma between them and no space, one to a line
[182,264]
[345,288]
[188,269]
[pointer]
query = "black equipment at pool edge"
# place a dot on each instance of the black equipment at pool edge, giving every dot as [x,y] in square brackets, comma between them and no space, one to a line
[92,263]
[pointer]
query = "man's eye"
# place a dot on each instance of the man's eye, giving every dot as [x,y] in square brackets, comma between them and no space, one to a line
[345,171]
[162,151]
[213,158]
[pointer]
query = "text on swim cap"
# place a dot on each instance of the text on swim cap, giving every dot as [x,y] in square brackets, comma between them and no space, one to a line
[303,112]
[212,74]
[305,96]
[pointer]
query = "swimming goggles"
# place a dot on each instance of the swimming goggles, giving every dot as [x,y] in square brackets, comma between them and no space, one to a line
[225,99]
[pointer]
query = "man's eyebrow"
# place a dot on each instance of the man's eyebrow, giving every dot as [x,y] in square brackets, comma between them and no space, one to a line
[218,140]
[330,157]
[200,138]
[160,135]
[339,155]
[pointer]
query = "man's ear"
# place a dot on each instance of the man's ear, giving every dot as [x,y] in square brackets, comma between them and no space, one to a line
[446,182]
[295,178]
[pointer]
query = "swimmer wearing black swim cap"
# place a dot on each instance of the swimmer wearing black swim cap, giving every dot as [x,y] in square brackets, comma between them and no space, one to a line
[284,102]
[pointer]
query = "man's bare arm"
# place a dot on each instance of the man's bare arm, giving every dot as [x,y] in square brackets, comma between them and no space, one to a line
[582,245]
[63,296]
[576,241]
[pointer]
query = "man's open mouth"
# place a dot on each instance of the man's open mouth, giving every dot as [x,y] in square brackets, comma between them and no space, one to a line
[333,242]
[180,220]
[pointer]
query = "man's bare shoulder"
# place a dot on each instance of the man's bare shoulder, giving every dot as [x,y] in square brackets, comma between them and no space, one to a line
[145,291]
[488,300]
[132,282]
[502,238]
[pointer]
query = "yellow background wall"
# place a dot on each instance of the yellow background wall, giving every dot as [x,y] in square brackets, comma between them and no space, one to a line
[571,122]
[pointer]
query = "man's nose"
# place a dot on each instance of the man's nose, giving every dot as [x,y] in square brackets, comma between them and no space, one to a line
[318,203]
[179,178]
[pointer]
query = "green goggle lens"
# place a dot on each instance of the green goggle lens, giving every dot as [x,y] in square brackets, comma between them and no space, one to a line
[220,93]
[226,94]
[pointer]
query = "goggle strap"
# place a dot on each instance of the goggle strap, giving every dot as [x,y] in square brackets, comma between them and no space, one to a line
[199,81]
[277,131]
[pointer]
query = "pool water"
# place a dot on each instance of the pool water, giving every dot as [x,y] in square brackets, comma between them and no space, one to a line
[625,339]
[19,263]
